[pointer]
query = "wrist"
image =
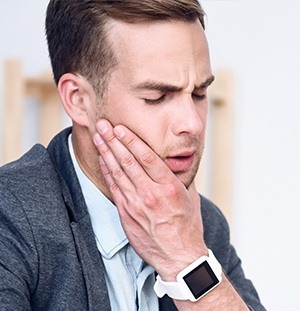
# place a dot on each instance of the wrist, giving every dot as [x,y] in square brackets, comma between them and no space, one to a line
[194,281]
[170,271]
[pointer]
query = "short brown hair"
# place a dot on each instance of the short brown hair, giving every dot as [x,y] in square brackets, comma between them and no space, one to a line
[77,31]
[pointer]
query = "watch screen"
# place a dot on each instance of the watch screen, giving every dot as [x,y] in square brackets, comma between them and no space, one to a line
[201,279]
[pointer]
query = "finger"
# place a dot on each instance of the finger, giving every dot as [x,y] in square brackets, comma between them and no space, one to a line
[117,195]
[109,181]
[113,174]
[194,193]
[192,188]
[125,215]
[147,158]
[122,161]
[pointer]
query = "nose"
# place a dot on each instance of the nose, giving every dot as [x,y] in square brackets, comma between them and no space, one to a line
[189,118]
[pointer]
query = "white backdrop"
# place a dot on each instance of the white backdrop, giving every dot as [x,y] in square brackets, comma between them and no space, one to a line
[259,41]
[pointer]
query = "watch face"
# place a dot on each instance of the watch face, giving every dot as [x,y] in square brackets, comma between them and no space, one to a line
[201,279]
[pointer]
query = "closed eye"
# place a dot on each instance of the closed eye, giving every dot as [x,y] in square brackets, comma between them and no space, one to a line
[198,97]
[155,101]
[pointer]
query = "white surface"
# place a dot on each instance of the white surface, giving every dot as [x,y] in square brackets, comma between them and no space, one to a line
[260,41]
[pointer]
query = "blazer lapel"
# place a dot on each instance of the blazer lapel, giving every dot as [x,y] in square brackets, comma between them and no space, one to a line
[80,223]
[92,265]
[167,304]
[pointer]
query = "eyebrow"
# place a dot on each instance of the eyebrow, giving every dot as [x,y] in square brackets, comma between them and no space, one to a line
[169,88]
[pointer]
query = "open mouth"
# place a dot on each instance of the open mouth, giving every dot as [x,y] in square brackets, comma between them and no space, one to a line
[180,163]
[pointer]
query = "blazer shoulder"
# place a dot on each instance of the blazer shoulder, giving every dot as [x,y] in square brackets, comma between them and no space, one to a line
[33,184]
[32,161]
[212,216]
[216,229]
[34,170]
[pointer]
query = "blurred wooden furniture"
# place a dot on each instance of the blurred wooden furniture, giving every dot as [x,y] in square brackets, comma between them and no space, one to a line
[214,179]
[16,88]
[215,176]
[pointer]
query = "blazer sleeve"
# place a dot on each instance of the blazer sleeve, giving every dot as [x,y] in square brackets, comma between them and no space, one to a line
[18,256]
[217,237]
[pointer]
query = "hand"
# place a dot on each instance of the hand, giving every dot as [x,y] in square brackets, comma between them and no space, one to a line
[160,217]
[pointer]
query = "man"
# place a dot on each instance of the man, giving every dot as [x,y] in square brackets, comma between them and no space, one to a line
[107,217]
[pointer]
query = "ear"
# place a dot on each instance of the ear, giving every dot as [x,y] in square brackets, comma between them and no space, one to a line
[78,98]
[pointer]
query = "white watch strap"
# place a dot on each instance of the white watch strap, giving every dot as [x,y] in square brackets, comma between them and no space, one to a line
[179,290]
[173,289]
[214,263]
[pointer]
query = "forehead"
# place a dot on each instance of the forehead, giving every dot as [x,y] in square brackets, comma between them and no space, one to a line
[173,51]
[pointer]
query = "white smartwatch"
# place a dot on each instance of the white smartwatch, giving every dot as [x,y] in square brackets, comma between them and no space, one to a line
[193,282]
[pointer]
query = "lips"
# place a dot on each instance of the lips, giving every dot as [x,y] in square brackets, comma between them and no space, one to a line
[180,162]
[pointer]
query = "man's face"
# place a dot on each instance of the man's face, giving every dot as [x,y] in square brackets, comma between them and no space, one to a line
[158,90]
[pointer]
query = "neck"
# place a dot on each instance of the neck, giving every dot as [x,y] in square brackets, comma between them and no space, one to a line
[87,157]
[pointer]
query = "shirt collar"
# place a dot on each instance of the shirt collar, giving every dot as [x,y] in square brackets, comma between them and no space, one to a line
[109,234]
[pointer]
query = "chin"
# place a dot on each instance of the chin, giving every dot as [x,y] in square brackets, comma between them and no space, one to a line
[187,177]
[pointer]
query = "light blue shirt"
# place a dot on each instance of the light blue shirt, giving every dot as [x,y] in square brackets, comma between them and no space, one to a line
[129,279]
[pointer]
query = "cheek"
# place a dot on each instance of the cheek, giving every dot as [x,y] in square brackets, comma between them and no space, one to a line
[147,123]
[147,128]
[93,117]
[144,124]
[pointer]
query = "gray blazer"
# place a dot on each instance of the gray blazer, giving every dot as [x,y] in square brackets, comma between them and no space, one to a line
[48,256]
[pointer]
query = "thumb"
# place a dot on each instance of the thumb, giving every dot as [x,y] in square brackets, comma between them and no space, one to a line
[193,193]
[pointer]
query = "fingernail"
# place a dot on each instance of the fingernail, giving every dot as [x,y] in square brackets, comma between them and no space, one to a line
[102,127]
[98,139]
[119,132]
